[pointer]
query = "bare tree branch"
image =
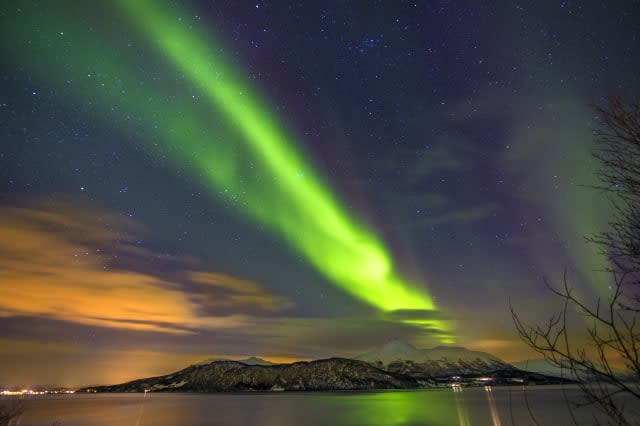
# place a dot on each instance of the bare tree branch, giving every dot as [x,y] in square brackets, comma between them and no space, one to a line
[612,323]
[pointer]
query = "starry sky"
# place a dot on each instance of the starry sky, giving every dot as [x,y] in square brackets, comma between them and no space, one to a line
[189,180]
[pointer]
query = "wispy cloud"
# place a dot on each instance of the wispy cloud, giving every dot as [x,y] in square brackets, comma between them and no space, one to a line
[57,261]
[437,158]
[220,291]
[460,215]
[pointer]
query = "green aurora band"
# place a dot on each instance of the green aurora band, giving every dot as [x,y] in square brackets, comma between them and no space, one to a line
[251,161]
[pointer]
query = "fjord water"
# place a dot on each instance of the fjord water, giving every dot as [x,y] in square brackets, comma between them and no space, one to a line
[472,406]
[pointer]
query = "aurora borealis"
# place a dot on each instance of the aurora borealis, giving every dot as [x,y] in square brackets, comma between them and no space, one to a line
[200,179]
[291,200]
[297,206]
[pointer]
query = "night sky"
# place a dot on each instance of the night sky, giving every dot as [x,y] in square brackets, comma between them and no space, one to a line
[190,180]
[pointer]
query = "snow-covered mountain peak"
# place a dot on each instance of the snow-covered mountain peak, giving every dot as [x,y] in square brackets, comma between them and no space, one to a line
[397,346]
[448,348]
[396,350]
[391,351]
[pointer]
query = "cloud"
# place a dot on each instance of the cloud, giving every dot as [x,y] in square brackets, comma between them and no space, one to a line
[224,292]
[71,364]
[460,216]
[58,260]
[415,314]
[437,159]
[317,337]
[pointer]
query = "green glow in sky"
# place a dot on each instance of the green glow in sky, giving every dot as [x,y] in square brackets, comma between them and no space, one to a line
[293,201]
[573,209]
[231,141]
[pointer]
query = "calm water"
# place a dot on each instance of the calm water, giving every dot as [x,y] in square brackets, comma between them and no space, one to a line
[472,406]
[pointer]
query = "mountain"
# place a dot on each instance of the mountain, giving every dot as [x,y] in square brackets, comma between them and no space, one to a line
[401,357]
[394,365]
[542,366]
[228,376]
[255,361]
[444,365]
[249,361]
[391,351]
[397,350]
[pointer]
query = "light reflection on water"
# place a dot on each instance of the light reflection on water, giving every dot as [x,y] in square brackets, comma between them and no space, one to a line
[494,406]
[461,408]
[495,417]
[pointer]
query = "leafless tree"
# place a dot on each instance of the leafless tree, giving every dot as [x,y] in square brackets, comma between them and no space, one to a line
[10,411]
[607,366]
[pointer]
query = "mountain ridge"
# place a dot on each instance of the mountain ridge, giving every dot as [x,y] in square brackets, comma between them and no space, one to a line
[252,360]
[233,376]
[394,365]
[401,357]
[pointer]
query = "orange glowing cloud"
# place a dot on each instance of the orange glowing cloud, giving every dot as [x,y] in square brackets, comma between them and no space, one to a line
[56,261]
[235,293]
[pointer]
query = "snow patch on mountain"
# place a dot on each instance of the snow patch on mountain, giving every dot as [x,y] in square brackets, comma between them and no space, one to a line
[400,351]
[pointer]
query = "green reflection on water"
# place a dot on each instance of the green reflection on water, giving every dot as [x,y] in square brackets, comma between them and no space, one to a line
[402,408]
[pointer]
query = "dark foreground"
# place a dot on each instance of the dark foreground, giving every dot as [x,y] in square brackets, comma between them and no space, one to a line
[472,406]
